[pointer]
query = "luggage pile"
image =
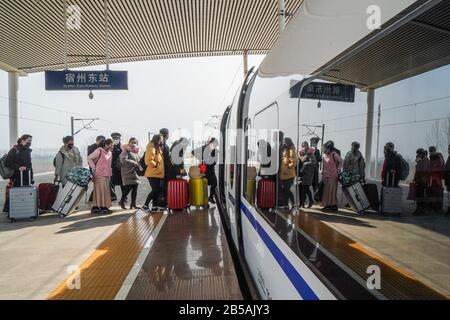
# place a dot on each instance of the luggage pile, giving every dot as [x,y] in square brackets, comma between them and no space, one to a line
[68,199]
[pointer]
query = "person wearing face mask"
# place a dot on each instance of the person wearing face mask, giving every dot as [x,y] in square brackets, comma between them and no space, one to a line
[100,163]
[421,179]
[116,165]
[166,155]
[354,161]
[154,159]
[332,166]
[19,159]
[67,158]
[130,165]
[392,166]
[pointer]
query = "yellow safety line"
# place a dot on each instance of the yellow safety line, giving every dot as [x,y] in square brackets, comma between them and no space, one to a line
[101,275]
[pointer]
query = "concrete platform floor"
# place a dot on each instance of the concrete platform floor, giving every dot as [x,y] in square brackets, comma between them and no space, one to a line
[34,256]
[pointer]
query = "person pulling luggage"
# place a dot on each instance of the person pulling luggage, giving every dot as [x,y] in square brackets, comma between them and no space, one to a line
[67,158]
[207,155]
[19,159]
[354,162]
[391,171]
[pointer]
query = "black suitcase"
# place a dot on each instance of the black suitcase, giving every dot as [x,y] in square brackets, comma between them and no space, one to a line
[371,191]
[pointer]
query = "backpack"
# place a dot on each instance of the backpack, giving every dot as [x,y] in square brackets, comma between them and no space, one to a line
[404,171]
[63,158]
[5,172]
[142,166]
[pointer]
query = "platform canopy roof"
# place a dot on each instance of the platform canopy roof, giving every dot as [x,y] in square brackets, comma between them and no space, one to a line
[331,40]
[32,31]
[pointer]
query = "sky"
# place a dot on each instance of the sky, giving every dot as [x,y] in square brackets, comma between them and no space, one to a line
[176,94]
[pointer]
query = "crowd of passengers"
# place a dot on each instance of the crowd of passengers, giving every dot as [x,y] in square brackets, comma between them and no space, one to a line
[114,164]
[302,167]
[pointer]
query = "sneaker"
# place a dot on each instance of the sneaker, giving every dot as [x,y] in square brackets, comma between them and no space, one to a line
[146,209]
[95,210]
[155,209]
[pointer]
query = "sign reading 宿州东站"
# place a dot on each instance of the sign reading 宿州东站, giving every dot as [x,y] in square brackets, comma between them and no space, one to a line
[86,80]
[324,91]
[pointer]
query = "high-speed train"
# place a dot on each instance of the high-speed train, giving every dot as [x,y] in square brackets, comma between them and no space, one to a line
[287,254]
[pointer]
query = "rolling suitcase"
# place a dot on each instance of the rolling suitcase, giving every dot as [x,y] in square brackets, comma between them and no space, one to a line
[391,200]
[177,194]
[266,194]
[371,191]
[198,193]
[356,197]
[23,201]
[47,195]
[68,199]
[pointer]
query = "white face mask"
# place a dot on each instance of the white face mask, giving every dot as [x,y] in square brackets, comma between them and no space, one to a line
[116,142]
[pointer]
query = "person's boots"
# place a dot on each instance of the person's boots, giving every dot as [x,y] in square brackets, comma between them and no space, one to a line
[122,205]
[134,206]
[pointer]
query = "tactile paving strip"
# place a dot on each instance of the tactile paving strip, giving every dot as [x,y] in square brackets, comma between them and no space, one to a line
[103,273]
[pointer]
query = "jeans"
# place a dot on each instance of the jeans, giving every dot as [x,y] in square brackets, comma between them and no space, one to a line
[157,187]
[286,194]
[305,191]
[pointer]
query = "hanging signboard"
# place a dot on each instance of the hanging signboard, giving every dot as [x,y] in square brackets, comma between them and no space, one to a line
[325,91]
[86,80]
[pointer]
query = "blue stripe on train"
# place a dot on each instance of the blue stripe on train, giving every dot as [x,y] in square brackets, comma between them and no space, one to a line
[296,279]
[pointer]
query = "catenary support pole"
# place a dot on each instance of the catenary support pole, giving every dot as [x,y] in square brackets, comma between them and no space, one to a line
[13,85]
[369,130]
[281,15]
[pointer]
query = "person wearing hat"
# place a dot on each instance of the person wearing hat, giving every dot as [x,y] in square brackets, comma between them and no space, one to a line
[116,165]
[421,180]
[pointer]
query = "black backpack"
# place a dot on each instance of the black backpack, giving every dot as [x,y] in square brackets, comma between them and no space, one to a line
[63,158]
[142,165]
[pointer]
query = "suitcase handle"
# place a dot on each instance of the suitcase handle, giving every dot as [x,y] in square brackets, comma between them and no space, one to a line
[29,177]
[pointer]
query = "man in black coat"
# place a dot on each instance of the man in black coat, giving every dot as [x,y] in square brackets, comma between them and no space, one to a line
[207,155]
[116,179]
[167,163]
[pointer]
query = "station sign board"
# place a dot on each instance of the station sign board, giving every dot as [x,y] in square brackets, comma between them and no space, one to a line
[86,80]
[324,91]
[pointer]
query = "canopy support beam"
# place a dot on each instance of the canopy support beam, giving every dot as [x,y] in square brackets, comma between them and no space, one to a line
[13,86]
[369,130]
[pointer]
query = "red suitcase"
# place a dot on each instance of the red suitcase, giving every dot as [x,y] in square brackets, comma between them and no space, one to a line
[47,195]
[266,194]
[178,194]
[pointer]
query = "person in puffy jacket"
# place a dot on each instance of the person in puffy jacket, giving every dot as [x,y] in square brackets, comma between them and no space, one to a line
[129,159]
[19,159]
[354,161]
[100,163]
[437,163]
[68,157]
[155,173]
[287,171]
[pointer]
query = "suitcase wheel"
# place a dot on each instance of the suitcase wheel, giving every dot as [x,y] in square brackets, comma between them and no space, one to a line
[62,216]
[12,220]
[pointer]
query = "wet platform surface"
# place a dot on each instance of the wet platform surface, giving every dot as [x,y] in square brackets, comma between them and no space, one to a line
[190,260]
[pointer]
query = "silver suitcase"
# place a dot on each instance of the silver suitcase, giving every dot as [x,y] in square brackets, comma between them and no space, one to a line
[356,197]
[23,201]
[68,199]
[391,200]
